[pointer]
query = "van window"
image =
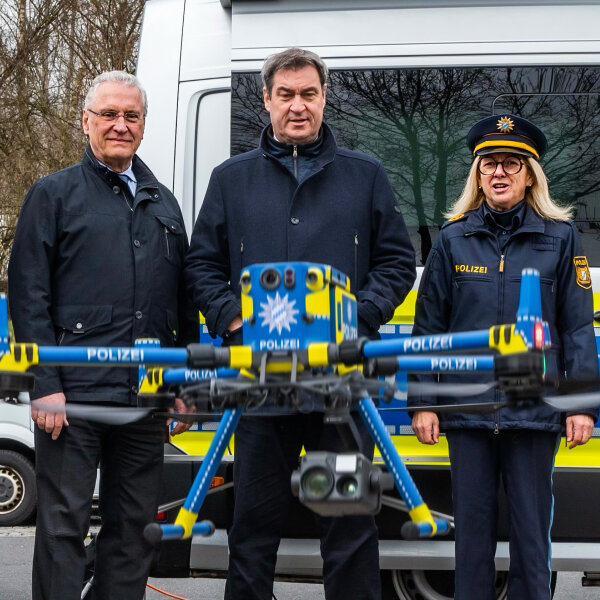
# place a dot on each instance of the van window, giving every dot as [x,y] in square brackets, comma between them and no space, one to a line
[416,120]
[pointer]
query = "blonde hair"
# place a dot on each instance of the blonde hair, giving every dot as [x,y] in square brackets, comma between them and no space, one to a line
[537,196]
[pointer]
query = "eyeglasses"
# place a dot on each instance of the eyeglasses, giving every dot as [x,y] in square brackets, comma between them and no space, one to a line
[112,115]
[510,165]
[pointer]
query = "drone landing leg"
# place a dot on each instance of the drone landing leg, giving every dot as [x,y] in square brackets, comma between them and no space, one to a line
[185,524]
[422,523]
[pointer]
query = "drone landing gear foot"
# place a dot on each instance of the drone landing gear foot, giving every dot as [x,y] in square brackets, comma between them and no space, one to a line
[412,530]
[154,533]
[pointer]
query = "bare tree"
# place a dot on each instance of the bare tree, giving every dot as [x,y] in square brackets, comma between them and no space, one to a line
[50,50]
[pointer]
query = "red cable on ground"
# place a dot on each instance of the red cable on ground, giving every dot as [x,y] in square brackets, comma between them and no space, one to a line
[165,593]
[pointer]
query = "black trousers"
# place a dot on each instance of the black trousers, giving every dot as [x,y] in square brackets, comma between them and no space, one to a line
[130,458]
[266,453]
[525,460]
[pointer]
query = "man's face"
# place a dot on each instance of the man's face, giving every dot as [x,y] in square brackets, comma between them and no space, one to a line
[296,105]
[114,142]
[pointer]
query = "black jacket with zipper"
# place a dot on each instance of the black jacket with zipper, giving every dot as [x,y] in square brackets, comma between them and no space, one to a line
[471,281]
[92,266]
[343,214]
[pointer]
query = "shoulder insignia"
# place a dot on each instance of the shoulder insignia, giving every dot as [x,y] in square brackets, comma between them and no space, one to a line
[455,219]
[582,272]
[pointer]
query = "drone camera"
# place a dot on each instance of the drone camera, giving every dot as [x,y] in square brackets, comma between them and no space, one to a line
[270,279]
[333,484]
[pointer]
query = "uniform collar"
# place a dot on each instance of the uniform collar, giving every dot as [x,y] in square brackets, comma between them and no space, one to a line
[531,221]
[508,220]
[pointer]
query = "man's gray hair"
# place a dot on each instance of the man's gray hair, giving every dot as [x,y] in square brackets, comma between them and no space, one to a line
[293,59]
[115,77]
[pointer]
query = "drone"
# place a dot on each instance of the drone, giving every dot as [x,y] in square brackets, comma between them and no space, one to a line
[302,353]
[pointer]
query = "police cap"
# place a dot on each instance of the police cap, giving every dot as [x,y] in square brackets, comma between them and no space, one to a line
[506,133]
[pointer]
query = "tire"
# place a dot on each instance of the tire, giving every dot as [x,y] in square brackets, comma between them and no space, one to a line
[18,493]
[434,585]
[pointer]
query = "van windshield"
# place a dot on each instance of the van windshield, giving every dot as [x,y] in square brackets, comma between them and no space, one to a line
[416,120]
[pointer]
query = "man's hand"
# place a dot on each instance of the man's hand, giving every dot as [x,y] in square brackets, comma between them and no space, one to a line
[235,324]
[426,426]
[579,429]
[49,420]
[182,408]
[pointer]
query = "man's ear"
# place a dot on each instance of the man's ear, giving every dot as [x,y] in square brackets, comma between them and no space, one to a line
[325,92]
[267,100]
[84,122]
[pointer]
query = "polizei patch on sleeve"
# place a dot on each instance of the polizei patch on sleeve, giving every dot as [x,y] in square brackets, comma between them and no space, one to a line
[582,272]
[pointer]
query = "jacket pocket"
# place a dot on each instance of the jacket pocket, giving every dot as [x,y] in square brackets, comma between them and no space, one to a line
[79,319]
[470,279]
[171,232]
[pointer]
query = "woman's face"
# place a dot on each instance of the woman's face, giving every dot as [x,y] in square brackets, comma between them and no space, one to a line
[503,190]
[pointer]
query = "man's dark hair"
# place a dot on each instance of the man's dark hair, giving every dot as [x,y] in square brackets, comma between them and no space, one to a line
[293,59]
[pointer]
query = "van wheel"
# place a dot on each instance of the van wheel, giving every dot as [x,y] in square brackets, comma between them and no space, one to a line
[434,585]
[428,585]
[18,492]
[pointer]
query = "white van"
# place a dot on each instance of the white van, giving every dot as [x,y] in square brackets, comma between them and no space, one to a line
[18,492]
[408,79]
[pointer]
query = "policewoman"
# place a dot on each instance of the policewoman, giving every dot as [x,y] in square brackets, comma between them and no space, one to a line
[504,221]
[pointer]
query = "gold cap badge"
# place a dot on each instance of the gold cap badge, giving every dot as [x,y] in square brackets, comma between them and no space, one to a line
[505,124]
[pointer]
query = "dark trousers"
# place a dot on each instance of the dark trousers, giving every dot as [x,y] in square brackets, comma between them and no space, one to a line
[266,453]
[130,458]
[525,460]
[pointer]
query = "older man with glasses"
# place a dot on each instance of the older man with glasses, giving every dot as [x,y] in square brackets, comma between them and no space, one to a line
[97,261]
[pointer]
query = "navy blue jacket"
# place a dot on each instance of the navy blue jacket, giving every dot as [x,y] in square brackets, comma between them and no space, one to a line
[455,296]
[88,270]
[344,214]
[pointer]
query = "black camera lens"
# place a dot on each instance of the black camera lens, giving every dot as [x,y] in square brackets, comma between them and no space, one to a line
[270,279]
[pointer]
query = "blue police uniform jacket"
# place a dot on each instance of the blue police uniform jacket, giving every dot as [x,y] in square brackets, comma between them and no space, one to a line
[343,214]
[92,266]
[471,281]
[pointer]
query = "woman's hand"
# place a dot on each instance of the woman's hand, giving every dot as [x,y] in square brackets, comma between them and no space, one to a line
[579,429]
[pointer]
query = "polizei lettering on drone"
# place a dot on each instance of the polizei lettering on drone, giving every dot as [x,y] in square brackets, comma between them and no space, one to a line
[115,355]
[199,375]
[428,344]
[285,344]
[450,363]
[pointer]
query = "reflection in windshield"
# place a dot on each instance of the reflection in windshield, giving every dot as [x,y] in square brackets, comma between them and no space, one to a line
[416,120]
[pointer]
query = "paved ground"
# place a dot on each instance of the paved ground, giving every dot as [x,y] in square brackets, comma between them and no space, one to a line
[16,549]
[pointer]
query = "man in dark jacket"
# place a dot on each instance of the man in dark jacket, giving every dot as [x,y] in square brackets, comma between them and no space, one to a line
[298,197]
[97,260]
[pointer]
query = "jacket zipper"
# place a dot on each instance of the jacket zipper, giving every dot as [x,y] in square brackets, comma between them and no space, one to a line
[295,156]
[61,337]
[167,242]
[501,320]
[355,260]
[242,246]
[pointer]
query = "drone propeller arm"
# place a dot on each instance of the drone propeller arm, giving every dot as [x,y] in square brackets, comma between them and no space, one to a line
[422,524]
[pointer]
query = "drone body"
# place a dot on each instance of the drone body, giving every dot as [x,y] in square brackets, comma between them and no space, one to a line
[287,306]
